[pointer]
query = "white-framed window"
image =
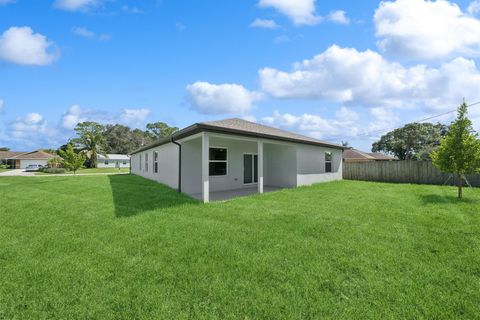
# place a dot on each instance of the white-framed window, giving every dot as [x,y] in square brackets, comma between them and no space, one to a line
[328,161]
[146,162]
[218,161]
[125,162]
[155,161]
[106,162]
[140,163]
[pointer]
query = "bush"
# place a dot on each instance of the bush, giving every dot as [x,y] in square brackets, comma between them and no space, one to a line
[4,166]
[54,170]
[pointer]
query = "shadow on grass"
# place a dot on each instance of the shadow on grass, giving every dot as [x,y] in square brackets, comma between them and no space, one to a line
[440,199]
[134,195]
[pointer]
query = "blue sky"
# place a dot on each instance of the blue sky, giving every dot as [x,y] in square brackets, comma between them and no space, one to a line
[334,70]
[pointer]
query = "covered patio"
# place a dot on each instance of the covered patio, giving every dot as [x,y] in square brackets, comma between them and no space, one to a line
[218,167]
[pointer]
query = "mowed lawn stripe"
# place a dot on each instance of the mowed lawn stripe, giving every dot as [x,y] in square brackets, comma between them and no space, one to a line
[122,247]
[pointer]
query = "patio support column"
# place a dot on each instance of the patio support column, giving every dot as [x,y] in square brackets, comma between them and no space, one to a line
[260,166]
[205,168]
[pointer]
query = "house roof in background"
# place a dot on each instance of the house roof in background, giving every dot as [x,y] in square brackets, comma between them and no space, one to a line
[9,154]
[354,154]
[114,156]
[381,156]
[36,155]
[245,128]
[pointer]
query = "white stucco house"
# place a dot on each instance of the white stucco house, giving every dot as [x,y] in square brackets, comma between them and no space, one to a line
[221,159]
[113,161]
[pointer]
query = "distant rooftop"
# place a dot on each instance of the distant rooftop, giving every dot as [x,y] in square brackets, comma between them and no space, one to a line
[37,155]
[114,156]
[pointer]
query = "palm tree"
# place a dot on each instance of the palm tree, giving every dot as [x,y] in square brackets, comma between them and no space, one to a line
[91,141]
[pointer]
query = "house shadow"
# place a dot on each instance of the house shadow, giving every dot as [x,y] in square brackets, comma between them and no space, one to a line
[133,195]
[443,199]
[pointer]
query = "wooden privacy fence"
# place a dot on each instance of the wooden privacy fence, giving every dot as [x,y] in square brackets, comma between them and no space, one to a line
[408,171]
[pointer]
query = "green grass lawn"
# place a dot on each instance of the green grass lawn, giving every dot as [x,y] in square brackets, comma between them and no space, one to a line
[121,247]
[3,170]
[93,170]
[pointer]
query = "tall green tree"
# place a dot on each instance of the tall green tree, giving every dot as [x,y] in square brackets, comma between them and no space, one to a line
[159,130]
[90,141]
[413,141]
[459,151]
[119,139]
[71,159]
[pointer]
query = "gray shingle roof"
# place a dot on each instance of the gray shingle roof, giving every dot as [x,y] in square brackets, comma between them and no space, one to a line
[256,129]
[242,127]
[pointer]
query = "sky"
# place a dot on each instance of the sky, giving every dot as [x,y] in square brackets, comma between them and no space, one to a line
[333,70]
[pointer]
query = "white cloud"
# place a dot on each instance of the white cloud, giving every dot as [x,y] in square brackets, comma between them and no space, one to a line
[418,29]
[264,23]
[317,126]
[76,5]
[339,17]
[301,12]
[72,117]
[221,99]
[474,7]
[1,105]
[4,2]
[76,114]
[365,78]
[31,125]
[85,33]
[132,116]
[20,45]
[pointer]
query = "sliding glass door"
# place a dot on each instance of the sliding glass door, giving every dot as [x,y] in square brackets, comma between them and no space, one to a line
[250,168]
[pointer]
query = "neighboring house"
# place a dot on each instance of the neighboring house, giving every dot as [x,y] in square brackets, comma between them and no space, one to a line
[113,161]
[234,155]
[354,155]
[5,155]
[22,160]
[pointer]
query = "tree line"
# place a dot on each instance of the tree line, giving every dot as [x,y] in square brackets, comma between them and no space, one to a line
[94,139]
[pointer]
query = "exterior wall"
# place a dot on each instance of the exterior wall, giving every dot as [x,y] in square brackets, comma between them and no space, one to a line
[311,165]
[280,165]
[167,165]
[112,163]
[192,166]
[24,163]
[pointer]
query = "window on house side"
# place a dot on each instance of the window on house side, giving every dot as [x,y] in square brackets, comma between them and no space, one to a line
[218,162]
[146,162]
[155,161]
[328,161]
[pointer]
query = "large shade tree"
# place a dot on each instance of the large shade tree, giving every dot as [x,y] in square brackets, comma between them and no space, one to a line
[90,140]
[413,141]
[459,151]
[159,130]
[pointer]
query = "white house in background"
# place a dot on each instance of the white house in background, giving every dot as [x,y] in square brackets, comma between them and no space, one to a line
[113,161]
[21,160]
[222,159]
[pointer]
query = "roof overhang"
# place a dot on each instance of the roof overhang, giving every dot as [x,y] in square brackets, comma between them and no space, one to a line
[201,127]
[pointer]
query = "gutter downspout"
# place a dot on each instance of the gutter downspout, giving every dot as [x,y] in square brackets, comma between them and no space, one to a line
[179,164]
